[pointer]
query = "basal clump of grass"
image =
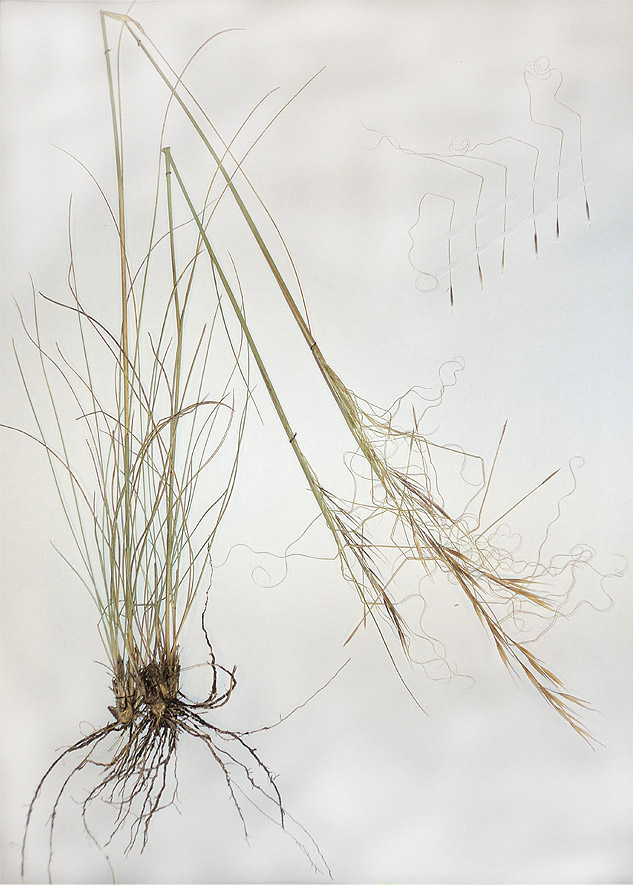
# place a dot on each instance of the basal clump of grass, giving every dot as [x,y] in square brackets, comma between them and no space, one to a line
[423,528]
[151,395]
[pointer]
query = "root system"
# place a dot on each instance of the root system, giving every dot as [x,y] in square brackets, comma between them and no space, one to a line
[136,757]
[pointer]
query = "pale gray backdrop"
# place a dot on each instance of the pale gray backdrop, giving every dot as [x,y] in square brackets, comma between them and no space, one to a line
[490,786]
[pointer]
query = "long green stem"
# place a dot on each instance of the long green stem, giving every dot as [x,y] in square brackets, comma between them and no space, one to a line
[292,437]
[125,367]
[170,602]
[342,538]
[315,488]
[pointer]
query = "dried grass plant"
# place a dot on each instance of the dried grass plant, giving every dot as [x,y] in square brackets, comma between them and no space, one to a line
[144,527]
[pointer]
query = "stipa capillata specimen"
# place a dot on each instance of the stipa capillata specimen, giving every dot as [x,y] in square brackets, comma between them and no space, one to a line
[148,704]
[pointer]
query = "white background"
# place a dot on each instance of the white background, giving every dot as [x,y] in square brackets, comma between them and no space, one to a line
[491,785]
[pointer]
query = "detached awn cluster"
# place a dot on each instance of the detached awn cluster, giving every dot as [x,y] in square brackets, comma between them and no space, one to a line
[144,528]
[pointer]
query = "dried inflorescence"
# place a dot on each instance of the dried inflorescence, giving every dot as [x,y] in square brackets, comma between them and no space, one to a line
[497,585]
